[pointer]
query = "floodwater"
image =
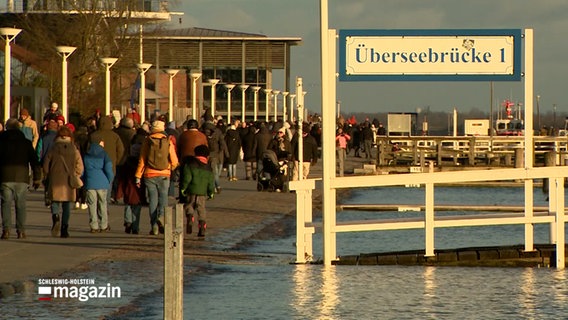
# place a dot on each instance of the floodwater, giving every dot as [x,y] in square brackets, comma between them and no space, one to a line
[270,287]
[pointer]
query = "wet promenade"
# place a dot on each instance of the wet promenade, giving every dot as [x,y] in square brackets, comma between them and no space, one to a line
[234,215]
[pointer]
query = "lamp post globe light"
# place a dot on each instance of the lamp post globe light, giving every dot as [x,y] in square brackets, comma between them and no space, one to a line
[268,92]
[8,34]
[255,112]
[292,98]
[244,88]
[284,111]
[229,88]
[276,93]
[64,52]
[213,83]
[172,73]
[107,63]
[142,68]
[194,77]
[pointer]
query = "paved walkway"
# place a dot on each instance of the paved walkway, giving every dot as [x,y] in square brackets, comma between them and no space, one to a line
[237,213]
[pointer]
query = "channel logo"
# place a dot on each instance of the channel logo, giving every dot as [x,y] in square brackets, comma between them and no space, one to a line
[43,292]
[78,289]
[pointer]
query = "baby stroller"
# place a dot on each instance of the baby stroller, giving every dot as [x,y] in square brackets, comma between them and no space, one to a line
[274,173]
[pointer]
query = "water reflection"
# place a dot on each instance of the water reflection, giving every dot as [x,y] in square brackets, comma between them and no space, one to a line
[560,286]
[315,291]
[330,299]
[429,296]
[527,293]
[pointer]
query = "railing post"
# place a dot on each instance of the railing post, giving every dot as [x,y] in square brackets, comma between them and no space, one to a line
[429,220]
[304,244]
[471,153]
[560,223]
[173,263]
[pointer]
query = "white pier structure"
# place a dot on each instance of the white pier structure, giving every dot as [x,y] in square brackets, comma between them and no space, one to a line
[330,183]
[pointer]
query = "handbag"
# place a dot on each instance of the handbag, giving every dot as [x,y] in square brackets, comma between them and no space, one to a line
[74,181]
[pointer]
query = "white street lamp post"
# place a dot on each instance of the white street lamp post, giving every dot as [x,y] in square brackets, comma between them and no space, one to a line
[213,83]
[284,103]
[304,109]
[276,93]
[255,112]
[8,34]
[268,92]
[244,88]
[229,88]
[172,73]
[64,52]
[142,68]
[108,63]
[292,98]
[194,77]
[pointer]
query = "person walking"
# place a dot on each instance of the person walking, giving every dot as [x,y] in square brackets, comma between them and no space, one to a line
[61,166]
[367,135]
[157,158]
[112,144]
[262,140]
[133,197]
[309,153]
[190,139]
[29,127]
[17,155]
[217,151]
[249,155]
[341,140]
[233,141]
[97,177]
[197,185]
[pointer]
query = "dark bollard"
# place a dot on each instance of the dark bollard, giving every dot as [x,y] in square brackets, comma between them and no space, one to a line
[549,161]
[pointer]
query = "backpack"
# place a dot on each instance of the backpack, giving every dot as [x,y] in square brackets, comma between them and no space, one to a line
[158,153]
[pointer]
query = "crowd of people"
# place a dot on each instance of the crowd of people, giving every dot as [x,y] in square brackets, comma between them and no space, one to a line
[359,137]
[104,162]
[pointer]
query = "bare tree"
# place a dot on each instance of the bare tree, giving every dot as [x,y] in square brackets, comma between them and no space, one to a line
[96,28]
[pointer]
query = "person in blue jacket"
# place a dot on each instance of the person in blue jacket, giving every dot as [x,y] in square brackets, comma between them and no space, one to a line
[98,176]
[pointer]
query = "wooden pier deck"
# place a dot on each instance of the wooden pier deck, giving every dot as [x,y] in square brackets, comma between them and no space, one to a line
[544,255]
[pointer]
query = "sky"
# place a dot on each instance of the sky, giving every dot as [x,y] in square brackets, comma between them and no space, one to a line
[301,18]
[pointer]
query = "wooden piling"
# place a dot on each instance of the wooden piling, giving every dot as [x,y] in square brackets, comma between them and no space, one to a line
[173,263]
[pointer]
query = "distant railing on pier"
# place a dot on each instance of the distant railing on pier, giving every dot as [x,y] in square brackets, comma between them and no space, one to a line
[493,151]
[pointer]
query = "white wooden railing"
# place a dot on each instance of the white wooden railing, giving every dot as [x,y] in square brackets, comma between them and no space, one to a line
[555,216]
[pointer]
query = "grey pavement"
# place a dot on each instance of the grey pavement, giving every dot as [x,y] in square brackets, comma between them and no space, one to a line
[238,212]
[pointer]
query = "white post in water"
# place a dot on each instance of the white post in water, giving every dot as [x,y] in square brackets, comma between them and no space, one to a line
[328,133]
[529,145]
[173,263]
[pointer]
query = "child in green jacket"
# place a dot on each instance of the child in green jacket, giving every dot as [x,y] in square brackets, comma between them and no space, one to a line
[197,184]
